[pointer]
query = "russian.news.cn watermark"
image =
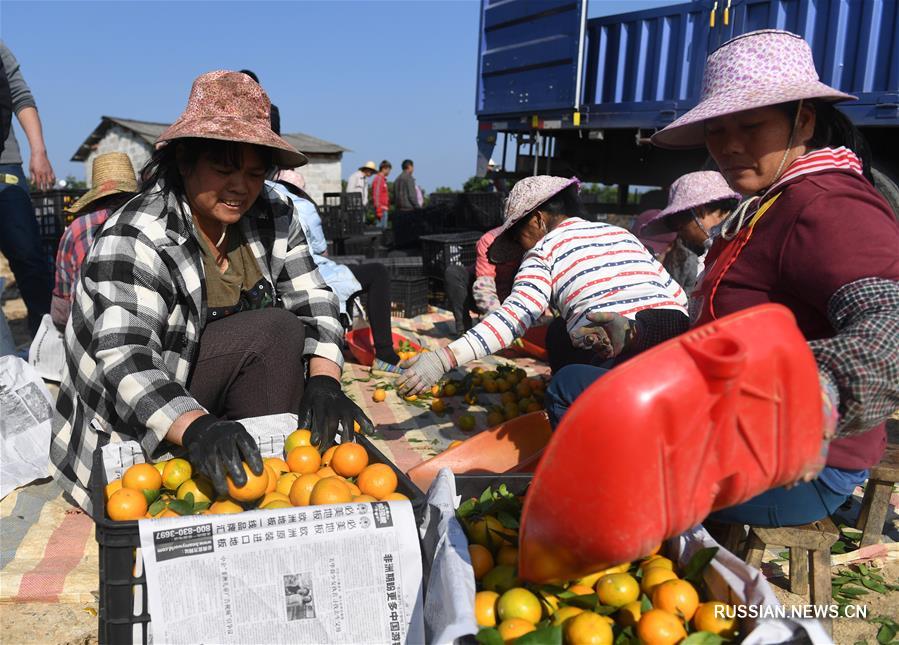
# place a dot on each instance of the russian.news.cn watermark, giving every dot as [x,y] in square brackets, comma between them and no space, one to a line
[796,612]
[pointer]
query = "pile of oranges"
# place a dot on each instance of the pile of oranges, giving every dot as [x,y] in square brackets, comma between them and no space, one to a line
[645,601]
[304,477]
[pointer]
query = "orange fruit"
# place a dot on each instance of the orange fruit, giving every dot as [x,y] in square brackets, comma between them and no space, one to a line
[523,389]
[588,628]
[438,406]
[564,613]
[127,503]
[278,465]
[201,488]
[511,410]
[655,576]
[513,628]
[276,503]
[364,498]
[142,477]
[705,620]
[160,466]
[304,459]
[356,427]
[224,506]
[453,444]
[327,471]
[466,423]
[494,418]
[655,551]
[485,608]
[378,395]
[500,578]
[251,491]
[297,438]
[508,397]
[271,497]
[111,487]
[677,597]
[272,478]
[450,389]
[354,490]
[410,397]
[507,554]
[533,406]
[301,489]
[518,602]
[488,531]
[502,385]
[580,590]
[285,482]
[328,455]
[658,627]
[617,589]
[657,561]
[175,473]
[394,497]
[330,490]
[481,560]
[377,480]
[629,615]
[349,459]
[489,386]
[435,390]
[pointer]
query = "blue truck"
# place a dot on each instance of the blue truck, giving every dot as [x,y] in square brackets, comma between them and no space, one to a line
[560,93]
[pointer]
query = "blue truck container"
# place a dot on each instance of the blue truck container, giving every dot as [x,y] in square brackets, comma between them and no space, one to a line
[582,95]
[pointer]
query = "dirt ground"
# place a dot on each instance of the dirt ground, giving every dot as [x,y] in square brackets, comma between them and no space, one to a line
[77,624]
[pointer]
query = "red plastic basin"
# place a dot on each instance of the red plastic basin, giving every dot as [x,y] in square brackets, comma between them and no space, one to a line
[362,346]
[702,422]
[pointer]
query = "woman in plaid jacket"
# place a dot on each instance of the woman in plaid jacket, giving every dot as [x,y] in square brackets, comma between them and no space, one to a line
[199,303]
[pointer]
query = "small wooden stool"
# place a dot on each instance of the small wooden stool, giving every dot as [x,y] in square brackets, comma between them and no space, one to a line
[876,502]
[809,548]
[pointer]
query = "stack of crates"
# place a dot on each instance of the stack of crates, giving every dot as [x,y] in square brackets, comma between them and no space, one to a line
[342,215]
[481,211]
[49,208]
[441,251]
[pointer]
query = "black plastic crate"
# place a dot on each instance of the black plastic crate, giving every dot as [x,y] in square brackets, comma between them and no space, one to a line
[437,293]
[53,203]
[410,226]
[481,211]
[347,259]
[337,224]
[124,615]
[406,267]
[408,296]
[441,251]
[332,199]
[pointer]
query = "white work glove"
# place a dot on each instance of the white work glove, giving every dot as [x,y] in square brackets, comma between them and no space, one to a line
[423,371]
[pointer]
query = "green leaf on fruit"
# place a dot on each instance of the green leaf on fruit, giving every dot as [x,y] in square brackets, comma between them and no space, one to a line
[181,507]
[698,563]
[702,638]
[507,520]
[551,635]
[489,636]
[150,495]
[156,507]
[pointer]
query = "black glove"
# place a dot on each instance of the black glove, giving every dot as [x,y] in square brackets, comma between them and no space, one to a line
[324,405]
[216,448]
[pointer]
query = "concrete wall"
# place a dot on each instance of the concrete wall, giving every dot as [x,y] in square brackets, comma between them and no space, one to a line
[119,139]
[322,175]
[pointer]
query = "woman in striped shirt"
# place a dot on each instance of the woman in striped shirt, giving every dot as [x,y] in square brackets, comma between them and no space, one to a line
[581,269]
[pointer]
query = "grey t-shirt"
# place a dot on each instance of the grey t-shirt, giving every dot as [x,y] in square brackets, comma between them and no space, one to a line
[21,99]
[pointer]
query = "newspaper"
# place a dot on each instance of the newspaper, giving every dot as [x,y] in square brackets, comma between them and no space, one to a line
[26,414]
[342,573]
[47,352]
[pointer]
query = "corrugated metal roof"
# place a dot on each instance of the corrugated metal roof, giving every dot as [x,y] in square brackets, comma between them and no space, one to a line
[149,131]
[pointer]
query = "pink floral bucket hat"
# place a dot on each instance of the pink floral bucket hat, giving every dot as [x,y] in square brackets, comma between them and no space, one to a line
[690,191]
[758,69]
[231,106]
[526,196]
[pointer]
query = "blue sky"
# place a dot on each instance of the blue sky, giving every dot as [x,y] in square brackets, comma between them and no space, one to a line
[387,79]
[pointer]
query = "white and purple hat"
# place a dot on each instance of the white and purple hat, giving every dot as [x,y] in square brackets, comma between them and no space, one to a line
[526,195]
[690,191]
[758,69]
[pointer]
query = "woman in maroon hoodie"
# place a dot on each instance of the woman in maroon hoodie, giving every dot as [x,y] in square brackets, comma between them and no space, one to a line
[812,234]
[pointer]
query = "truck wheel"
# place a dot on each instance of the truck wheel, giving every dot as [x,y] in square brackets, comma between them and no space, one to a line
[888,189]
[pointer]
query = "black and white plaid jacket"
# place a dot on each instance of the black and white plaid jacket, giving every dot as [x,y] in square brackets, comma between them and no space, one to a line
[138,314]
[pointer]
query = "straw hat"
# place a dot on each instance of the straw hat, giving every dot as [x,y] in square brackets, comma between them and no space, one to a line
[757,69]
[690,191]
[231,106]
[526,195]
[369,165]
[111,173]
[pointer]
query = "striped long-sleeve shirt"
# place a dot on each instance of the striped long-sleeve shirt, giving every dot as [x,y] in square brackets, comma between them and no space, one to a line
[577,268]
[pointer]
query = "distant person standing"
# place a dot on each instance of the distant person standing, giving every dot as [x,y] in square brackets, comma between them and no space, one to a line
[380,194]
[357,181]
[275,114]
[404,188]
[20,239]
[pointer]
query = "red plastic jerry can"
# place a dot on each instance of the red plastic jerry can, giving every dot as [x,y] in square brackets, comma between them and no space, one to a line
[702,422]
